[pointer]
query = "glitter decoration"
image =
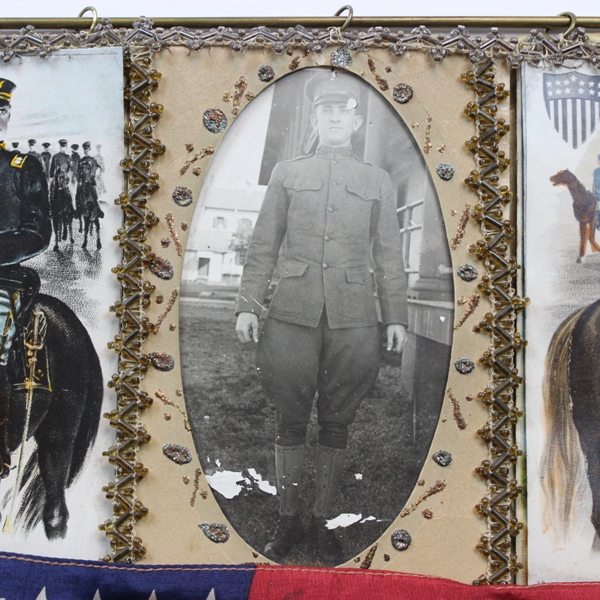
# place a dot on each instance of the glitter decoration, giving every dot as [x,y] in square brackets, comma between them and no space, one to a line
[165,242]
[186,479]
[386,557]
[214,120]
[464,366]
[401,539]
[162,268]
[165,400]
[266,73]
[456,412]
[467,272]
[196,487]
[341,58]
[179,392]
[178,454]
[183,196]
[460,228]
[162,361]
[167,416]
[403,93]
[184,226]
[162,316]
[442,458]
[438,487]
[427,513]
[171,224]
[215,532]
[160,299]
[445,172]
[172,326]
[197,171]
[368,561]
[189,147]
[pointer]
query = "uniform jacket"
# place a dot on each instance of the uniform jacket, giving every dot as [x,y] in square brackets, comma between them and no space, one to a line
[25,227]
[329,223]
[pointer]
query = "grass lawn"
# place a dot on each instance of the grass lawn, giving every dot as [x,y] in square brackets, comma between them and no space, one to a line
[234,422]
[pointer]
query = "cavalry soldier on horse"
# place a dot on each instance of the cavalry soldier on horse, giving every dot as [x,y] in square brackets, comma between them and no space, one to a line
[25,232]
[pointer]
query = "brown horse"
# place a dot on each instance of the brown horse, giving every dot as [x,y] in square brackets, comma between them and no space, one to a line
[584,208]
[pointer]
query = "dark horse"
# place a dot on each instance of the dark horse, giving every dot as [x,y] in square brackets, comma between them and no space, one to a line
[572,409]
[584,208]
[65,407]
[61,207]
[86,200]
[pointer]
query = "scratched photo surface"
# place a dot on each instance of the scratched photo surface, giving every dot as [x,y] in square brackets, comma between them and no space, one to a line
[66,127]
[233,420]
[562,273]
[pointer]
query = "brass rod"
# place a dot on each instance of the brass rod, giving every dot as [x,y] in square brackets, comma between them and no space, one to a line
[309,22]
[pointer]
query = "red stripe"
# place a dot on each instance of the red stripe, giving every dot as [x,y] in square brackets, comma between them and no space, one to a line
[312,583]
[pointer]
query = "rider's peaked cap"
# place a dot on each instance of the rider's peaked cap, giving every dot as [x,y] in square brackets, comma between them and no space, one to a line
[6,89]
[86,145]
[333,86]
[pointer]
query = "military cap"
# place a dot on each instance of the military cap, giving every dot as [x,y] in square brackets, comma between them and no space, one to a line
[6,89]
[31,142]
[15,145]
[62,143]
[46,144]
[333,86]
[86,145]
[75,146]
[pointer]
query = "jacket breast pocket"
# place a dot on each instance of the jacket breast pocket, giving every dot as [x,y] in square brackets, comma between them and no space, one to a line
[359,295]
[291,294]
[304,194]
[357,209]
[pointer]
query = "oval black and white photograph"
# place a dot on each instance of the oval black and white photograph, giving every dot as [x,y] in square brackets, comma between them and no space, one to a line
[316,318]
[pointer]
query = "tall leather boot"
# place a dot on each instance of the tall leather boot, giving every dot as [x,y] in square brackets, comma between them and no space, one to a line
[289,467]
[329,467]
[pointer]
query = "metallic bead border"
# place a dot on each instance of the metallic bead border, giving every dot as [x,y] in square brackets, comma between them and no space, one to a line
[537,47]
[140,184]
[498,507]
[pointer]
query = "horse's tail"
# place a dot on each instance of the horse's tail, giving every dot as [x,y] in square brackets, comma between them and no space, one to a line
[562,458]
[88,427]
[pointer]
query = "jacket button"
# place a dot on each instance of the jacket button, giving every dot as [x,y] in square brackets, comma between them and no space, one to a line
[326,238]
[330,209]
[325,265]
[334,183]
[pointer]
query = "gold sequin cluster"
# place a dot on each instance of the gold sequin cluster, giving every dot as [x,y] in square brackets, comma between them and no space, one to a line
[495,250]
[140,184]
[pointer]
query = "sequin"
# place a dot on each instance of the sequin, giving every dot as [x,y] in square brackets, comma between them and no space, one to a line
[445,172]
[162,361]
[162,268]
[464,366]
[266,73]
[215,531]
[442,458]
[401,539]
[403,93]
[165,242]
[341,57]
[183,196]
[427,513]
[214,120]
[467,272]
[178,454]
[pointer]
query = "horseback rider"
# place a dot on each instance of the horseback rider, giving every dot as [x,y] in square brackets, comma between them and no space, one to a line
[25,232]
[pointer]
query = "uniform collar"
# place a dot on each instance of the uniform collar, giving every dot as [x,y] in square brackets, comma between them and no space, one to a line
[334,151]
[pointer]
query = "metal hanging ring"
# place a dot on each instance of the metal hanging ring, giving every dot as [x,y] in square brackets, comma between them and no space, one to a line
[350,15]
[94,17]
[573,23]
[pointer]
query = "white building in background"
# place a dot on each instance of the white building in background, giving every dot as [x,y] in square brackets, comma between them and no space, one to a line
[229,201]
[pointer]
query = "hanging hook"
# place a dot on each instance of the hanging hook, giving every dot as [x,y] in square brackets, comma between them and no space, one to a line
[573,23]
[94,17]
[350,15]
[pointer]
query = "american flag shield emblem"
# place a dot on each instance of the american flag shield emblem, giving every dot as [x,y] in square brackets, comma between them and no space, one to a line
[572,103]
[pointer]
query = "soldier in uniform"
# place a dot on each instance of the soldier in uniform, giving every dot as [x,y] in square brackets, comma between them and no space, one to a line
[75,157]
[325,219]
[24,232]
[46,157]
[32,151]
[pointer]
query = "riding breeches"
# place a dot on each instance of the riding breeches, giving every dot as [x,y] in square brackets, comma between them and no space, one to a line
[295,362]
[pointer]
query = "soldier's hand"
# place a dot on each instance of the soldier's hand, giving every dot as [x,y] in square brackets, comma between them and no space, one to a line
[396,338]
[247,327]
